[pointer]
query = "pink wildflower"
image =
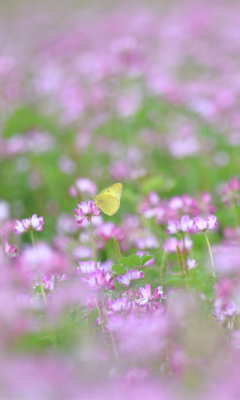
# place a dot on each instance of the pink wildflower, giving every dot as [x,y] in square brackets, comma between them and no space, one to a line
[86,185]
[86,267]
[131,275]
[99,279]
[171,244]
[86,211]
[119,305]
[224,309]
[178,226]
[11,250]
[149,242]
[200,225]
[109,229]
[31,224]
[146,295]
[192,263]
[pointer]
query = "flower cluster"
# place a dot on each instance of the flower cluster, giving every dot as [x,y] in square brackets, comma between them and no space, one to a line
[111,307]
[193,226]
[28,225]
[131,275]
[86,211]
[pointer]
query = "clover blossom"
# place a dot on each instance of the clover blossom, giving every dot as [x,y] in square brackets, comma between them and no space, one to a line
[131,275]
[171,244]
[200,225]
[86,267]
[86,211]
[224,309]
[86,185]
[183,205]
[149,242]
[99,279]
[191,263]
[178,226]
[28,225]
[49,280]
[146,295]
[11,250]
[108,229]
[119,305]
[231,192]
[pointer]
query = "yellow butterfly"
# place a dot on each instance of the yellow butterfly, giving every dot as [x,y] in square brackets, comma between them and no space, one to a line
[108,200]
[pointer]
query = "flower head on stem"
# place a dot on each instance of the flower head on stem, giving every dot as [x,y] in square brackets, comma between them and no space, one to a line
[29,225]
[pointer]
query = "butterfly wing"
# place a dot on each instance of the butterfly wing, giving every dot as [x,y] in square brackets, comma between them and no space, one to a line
[114,191]
[107,203]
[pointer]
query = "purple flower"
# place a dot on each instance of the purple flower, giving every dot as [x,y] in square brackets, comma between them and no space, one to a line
[124,279]
[72,192]
[86,211]
[149,242]
[146,294]
[171,244]
[82,252]
[212,222]
[131,275]
[135,274]
[11,250]
[31,224]
[150,262]
[86,267]
[192,263]
[224,309]
[119,305]
[99,279]
[86,185]
[109,229]
[200,225]
[178,226]
[176,203]
[158,293]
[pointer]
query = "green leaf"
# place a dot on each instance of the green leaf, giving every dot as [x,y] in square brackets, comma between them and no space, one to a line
[174,280]
[158,183]
[37,289]
[135,259]
[126,261]
[155,183]
[92,316]
[24,119]
[145,259]
[163,268]
[119,269]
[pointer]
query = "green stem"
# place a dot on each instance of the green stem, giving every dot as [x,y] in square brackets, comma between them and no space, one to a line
[93,243]
[99,313]
[235,216]
[111,334]
[134,301]
[211,256]
[1,241]
[151,307]
[185,254]
[39,275]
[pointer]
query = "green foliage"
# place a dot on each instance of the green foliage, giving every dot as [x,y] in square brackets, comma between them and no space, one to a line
[117,248]
[158,183]
[119,269]
[174,280]
[25,119]
[134,260]
[180,260]
[163,268]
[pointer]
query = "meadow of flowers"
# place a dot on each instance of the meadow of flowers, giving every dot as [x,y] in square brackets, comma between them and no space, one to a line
[144,303]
